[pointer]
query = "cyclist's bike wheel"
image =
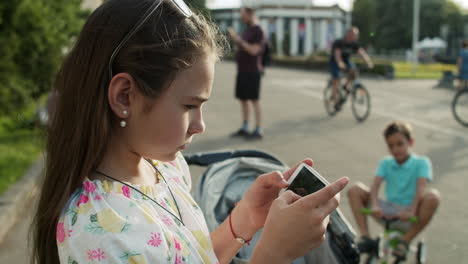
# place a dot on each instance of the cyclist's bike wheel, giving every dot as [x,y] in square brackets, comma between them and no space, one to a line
[361,103]
[328,100]
[460,107]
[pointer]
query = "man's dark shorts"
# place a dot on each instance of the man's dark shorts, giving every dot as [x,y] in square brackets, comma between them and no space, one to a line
[335,69]
[248,85]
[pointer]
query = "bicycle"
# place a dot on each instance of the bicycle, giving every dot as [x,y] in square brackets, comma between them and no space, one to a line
[360,99]
[385,243]
[460,105]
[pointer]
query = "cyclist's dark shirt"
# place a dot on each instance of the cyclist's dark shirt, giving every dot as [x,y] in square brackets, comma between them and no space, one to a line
[347,49]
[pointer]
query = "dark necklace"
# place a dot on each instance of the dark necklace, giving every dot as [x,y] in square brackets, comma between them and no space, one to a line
[169,188]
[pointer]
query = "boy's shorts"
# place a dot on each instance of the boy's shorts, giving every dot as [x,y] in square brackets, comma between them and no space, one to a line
[390,209]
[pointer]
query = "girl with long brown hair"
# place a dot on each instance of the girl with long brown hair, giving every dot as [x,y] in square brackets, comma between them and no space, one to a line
[116,188]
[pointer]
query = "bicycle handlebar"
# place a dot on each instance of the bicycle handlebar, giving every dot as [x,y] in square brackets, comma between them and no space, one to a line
[368,211]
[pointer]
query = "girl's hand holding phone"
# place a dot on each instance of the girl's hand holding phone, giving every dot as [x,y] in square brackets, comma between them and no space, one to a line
[295,225]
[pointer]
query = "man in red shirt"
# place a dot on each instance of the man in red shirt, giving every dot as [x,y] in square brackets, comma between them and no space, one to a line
[249,67]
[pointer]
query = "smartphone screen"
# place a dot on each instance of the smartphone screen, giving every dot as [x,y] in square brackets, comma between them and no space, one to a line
[306,183]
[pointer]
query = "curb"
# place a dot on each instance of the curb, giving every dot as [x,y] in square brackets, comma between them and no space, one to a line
[19,196]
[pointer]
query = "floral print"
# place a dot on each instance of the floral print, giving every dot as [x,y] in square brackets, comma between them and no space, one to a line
[89,186]
[60,233]
[126,191]
[96,255]
[108,222]
[155,239]
[83,199]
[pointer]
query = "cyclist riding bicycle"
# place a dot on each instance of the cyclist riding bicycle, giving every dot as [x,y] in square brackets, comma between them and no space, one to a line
[340,58]
[462,63]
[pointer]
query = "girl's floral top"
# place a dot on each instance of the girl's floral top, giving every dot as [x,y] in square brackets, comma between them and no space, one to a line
[108,222]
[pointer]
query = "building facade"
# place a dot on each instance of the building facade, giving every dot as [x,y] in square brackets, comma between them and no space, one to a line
[293,27]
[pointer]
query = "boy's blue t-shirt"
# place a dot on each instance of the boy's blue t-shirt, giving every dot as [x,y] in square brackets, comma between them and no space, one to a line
[401,180]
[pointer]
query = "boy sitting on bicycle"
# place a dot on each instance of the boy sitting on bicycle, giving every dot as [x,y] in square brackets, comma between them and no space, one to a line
[406,176]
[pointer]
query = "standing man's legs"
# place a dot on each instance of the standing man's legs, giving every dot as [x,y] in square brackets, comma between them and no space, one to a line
[248,92]
[245,117]
[244,129]
[258,118]
[245,111]
[241,95]
[255,81]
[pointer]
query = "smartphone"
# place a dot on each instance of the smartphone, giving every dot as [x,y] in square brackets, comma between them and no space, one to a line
[305,180]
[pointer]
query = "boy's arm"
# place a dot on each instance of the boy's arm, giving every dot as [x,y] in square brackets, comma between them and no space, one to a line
[374,192]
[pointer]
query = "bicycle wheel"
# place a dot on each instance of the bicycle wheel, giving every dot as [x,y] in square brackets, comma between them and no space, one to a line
[361,103]
[328,100]
[460,107]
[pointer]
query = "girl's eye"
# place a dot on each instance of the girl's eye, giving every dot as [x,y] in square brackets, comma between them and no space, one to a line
[190,107]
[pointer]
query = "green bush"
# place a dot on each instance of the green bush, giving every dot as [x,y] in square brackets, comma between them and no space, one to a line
[319,62]
[35,34]
[20,144]
[321,53]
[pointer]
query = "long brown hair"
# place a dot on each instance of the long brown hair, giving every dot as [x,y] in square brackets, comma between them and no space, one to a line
[78,135]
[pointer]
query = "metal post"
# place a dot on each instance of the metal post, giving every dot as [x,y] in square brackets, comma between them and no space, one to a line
[416,8]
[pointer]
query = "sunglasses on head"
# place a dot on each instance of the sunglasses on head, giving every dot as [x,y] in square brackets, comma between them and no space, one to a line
[181,6]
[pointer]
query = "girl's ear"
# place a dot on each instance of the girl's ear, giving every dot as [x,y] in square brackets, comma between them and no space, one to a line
[120,92]
[411,142]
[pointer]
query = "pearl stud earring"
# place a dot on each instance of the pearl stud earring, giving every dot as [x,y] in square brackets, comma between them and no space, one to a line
[123,123]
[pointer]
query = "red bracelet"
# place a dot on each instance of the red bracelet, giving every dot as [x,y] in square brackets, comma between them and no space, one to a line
[239,239]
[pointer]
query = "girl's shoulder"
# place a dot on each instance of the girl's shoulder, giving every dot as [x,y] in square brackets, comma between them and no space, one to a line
[97,195]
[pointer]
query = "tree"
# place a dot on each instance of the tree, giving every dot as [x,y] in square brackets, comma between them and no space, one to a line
[390,22]
[364,17]
[393,29]
[199,5]
[196,3]
[432,17]
[34,34]
[456,24]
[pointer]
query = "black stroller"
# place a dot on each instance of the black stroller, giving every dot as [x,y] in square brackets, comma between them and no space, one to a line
[228,176]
